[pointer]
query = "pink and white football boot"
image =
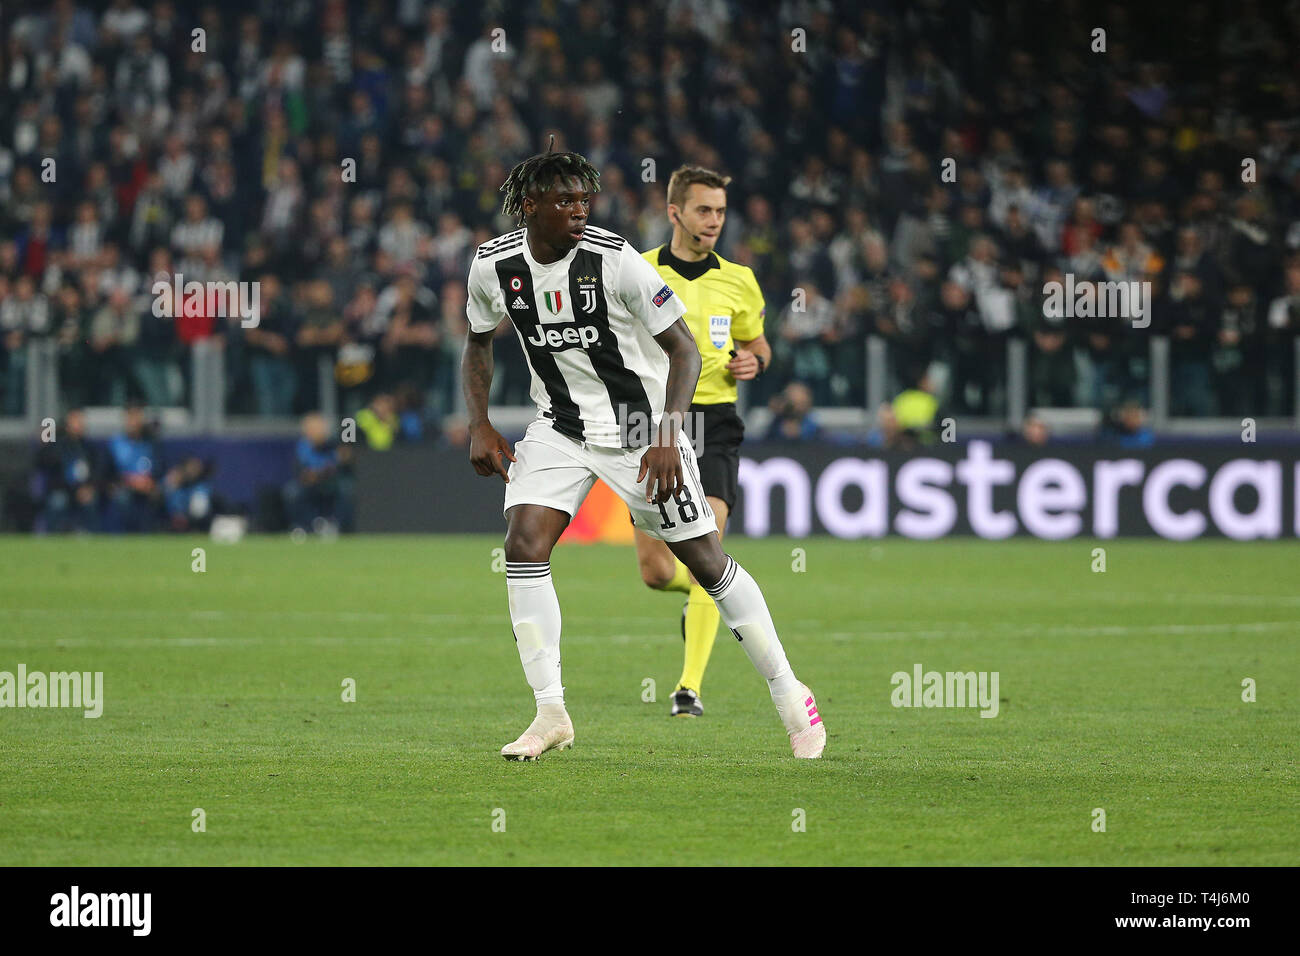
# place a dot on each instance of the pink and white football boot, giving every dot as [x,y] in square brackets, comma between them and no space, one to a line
[802,722]
[551,729]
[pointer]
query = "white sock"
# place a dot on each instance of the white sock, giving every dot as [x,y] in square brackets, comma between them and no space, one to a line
[745,611]
[535,616]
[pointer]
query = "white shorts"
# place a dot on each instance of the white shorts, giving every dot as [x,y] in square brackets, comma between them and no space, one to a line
[556,471]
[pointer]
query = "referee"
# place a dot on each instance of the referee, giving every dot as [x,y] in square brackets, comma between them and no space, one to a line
[724,311]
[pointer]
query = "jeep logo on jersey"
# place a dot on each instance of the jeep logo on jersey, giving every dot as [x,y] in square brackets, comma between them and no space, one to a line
[554,301]
[565,337]
[719,330]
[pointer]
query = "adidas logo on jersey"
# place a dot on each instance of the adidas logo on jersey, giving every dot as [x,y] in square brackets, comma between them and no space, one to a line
[519,303]
[572,336]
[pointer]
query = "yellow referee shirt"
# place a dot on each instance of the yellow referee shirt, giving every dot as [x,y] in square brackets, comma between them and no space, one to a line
[723,304]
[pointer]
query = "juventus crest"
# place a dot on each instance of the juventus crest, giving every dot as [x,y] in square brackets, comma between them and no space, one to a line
[587,293]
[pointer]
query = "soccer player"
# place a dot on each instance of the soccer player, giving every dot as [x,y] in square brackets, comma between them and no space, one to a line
[613,371]
[724,312]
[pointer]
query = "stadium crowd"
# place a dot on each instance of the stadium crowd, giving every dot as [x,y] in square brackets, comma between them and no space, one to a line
[132,483]
[133,147]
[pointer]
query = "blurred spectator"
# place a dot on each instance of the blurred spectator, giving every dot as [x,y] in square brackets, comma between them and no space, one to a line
[1193,328]
[24,315]
[1240,354]
[1127,426]
[916,411]
[379,422]
[1130,260]
[792,418]
[886,434]
[806,327]
[135,496]
[320,497]
[188,496]
[1052,367]
[1284,326]
[1034,432]
[409,404]
[69,475]
[114,332]
[269,344]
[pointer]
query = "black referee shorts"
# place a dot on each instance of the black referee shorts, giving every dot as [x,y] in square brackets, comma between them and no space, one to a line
[719,452]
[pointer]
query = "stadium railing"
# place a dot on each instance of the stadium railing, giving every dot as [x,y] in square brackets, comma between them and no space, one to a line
[207,415]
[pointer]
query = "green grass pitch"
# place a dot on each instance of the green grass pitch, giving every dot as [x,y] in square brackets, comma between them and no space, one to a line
[223,691]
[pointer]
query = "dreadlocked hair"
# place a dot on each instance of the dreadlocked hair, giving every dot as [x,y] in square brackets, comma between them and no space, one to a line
[542,171]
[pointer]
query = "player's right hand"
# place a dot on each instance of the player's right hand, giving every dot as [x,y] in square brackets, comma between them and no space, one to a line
[662,466]
[486,446]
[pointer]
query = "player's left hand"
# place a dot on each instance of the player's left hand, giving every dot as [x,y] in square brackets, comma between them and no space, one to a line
[664,466]
[744,366]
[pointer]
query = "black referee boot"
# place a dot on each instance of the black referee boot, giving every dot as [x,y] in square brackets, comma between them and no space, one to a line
[686,703]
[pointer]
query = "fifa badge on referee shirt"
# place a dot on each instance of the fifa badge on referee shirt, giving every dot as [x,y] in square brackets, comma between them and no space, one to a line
[719,330]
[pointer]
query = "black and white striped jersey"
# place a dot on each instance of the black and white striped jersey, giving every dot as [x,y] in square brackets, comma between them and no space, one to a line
[587,324]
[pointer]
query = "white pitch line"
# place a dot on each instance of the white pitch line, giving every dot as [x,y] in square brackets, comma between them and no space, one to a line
[656,635]
[356,616]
